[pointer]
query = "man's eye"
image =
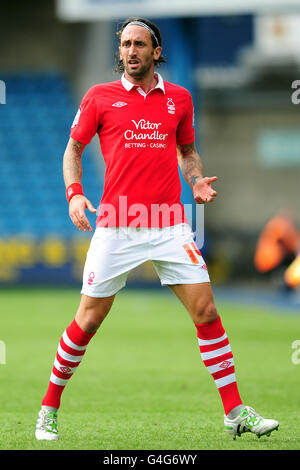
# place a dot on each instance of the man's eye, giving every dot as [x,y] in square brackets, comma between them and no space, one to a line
[138,44]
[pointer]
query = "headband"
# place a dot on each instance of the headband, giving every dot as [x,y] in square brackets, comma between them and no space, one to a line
[139,23]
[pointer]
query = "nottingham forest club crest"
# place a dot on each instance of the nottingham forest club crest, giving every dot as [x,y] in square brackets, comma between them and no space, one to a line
[171,106]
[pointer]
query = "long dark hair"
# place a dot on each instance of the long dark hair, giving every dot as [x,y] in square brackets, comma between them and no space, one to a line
[119,63]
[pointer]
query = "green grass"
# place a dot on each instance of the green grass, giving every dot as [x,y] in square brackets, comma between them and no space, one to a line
[142,384]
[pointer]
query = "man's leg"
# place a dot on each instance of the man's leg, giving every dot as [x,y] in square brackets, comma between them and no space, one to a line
[92,311]
[70,352]
[214,344]
[218,358]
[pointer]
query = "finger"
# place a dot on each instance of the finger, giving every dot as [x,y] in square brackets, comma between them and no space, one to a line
[199,200]
[78,219]
[79,223]
[90,207]
[76,222]
[211,179]
[210,193]
[84,221]
[203,200]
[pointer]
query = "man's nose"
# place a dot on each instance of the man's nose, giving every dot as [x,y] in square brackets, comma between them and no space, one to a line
[132,50]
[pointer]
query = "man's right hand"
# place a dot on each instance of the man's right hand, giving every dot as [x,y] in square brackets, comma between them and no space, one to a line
[77,207]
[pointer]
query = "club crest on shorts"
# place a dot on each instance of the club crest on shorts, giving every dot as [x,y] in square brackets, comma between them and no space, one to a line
[171,106]
[91,278]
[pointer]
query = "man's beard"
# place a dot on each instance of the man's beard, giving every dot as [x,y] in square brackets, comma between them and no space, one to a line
[140,73]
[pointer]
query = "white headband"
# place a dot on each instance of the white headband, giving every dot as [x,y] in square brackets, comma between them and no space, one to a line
[139,23]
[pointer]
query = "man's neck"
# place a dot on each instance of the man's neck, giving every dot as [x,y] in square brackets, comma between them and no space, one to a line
[146,83]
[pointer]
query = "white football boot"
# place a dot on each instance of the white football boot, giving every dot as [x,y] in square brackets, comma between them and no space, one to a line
[46,426]
[250,421]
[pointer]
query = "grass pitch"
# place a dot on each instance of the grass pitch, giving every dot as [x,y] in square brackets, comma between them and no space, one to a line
[142,384]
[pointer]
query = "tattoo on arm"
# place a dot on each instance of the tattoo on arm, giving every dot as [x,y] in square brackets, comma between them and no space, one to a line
[190,163]
[193,180]
[72,168]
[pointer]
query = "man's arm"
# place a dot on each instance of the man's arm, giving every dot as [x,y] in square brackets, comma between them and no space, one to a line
[72,171]
[192,171]
[72,168]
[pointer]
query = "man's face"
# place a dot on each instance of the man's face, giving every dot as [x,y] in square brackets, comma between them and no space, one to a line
[136,51]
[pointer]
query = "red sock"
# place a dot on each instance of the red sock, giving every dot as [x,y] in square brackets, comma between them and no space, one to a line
[217,357]
[70,352]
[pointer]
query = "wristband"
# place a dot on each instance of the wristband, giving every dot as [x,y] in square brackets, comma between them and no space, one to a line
[73,190]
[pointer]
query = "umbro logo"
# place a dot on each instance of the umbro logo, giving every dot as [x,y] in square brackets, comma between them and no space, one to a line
[65,369]
[225,364]
[119,104]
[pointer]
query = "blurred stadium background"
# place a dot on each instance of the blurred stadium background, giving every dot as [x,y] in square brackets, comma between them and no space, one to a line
[238,59]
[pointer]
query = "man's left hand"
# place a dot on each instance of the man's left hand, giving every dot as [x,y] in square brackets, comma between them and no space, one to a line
[202,190]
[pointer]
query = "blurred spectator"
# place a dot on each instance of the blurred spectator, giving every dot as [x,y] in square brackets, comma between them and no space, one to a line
[279,240]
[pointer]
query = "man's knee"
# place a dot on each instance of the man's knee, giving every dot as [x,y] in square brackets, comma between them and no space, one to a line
[90,319]
[92,312]
[205,312]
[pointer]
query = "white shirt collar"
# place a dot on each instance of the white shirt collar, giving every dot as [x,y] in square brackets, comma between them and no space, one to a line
[128,85]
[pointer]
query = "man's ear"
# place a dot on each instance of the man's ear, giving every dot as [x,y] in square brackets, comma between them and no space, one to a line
[157,52]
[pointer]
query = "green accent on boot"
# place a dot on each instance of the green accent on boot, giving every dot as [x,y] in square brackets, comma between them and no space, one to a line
[51,422]
[244,413]
[249,420]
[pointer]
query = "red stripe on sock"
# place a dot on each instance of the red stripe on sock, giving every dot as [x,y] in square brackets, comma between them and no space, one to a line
[64,362]
[210,330]
[223,373]
[215,346]
[69,350]
[77,335]
[216,360]
[53,395]
[230,397]
[61,375]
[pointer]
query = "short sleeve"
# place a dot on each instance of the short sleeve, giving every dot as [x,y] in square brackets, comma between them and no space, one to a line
[86,121]
[185,133]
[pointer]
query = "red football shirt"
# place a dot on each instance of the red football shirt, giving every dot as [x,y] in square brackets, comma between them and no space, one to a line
[138,135]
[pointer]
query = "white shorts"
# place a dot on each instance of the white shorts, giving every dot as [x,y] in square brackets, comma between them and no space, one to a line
[114,252]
